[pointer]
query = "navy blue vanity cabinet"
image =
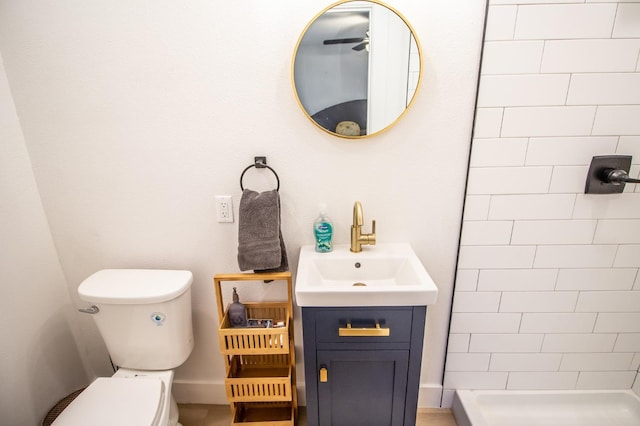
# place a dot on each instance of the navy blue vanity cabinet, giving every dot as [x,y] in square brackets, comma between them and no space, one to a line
[362,364]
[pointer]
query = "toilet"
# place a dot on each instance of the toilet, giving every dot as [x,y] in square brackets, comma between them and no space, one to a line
[144,317]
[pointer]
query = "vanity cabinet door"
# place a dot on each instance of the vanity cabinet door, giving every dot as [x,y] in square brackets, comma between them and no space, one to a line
[370,380]
[362,388]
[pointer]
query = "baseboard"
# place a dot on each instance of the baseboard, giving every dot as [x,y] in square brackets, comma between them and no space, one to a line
[198,392]
[429,396]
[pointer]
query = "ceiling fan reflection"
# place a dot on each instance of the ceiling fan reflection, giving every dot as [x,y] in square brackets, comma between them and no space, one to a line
[364,42]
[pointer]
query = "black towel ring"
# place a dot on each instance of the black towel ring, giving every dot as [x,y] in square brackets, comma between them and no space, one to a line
[260,163]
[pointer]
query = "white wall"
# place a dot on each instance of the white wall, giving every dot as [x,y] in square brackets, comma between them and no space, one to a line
[39,360]
[136,114]
[547,290]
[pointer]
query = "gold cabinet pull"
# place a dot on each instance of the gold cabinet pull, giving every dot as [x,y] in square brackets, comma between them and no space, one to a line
[324,375]
[363,332]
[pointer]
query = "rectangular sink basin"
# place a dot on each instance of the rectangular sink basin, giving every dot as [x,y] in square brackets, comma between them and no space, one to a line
[380,275]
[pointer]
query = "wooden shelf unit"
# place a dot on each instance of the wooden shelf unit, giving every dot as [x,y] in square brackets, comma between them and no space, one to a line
[260,362]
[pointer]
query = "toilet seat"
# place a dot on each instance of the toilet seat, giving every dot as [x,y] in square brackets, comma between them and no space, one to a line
[116,401]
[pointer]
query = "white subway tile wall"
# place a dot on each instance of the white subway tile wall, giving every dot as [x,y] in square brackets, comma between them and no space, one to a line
[547,292]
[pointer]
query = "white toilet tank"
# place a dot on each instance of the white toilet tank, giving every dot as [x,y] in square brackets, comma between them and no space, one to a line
[144,315]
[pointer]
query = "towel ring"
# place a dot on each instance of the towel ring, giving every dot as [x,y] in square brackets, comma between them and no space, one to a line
[260,163]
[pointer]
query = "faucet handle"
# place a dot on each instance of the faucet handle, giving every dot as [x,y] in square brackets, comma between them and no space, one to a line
[372,235]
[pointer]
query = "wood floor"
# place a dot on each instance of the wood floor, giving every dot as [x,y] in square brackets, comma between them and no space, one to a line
[220,415]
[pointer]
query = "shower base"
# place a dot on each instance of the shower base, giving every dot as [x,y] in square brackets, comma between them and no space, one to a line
[546,408]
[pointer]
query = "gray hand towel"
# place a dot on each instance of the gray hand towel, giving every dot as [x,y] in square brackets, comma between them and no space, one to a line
[260,243]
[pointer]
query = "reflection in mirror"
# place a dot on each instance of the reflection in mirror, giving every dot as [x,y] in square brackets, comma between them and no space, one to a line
[356,68]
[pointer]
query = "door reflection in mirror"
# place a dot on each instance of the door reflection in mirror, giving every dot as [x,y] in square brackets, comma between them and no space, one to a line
[356,68]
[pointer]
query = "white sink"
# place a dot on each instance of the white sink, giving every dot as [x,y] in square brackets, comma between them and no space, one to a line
[380,275]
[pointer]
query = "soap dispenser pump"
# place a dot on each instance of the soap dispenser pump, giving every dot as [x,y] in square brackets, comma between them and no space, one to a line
[237,312]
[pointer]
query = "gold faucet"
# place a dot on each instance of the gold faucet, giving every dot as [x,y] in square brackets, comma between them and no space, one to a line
[358,239]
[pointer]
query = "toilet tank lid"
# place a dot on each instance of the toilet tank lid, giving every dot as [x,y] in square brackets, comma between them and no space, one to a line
[134,286]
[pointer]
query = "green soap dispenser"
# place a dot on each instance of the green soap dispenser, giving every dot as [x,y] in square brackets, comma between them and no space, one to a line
[237,312]
[323,231]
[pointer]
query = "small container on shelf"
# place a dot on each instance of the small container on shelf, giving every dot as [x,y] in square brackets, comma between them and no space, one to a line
[237,312]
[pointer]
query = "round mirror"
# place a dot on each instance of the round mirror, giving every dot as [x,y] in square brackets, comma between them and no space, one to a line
[356,68]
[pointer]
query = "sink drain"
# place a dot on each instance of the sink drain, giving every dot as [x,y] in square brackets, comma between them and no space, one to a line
[359,285]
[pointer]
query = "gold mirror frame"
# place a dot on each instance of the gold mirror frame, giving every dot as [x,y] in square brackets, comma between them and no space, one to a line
[420,58]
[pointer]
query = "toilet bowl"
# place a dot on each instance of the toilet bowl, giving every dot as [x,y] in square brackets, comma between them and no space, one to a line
[144,317]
